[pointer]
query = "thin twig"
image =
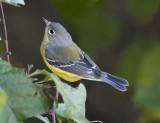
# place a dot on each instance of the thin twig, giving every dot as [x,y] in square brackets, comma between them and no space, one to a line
[29,68]
[57,93]
[5,32]
[52,111]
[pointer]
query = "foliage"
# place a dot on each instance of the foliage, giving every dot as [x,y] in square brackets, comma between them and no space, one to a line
[3,99]
[74,99]
[24,99]
[44,119]
[100,24]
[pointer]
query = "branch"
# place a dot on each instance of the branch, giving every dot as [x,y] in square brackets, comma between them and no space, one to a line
[5,32]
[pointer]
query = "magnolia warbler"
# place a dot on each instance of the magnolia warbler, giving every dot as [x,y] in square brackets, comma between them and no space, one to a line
[64,58]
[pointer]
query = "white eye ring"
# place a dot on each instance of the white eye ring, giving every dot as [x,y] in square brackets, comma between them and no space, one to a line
[52,32]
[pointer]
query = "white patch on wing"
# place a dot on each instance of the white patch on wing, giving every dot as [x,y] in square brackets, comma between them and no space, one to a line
[50,60]
[66,65]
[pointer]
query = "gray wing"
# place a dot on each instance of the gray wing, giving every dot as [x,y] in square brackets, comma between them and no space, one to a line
[83,66]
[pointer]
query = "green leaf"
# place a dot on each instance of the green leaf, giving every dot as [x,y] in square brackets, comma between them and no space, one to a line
[143,10]
[3,99]
[24,99]
[74,103]
[147,96]
[14,2]
[44,119]
[74,99]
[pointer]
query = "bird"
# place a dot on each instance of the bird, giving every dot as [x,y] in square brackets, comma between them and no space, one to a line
[65,59]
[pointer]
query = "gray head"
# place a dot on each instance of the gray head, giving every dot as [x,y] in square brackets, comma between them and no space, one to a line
[56,34]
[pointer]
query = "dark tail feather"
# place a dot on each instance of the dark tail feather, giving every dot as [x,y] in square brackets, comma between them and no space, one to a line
[115,81]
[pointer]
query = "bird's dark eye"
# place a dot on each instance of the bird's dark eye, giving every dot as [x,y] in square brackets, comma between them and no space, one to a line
[51,31]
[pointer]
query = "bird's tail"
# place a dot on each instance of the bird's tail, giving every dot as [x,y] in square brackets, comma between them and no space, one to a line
[115,81]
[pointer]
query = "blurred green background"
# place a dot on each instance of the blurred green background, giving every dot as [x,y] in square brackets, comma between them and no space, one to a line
[123,38]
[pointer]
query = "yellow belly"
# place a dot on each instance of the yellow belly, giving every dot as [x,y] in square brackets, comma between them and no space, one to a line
[61,73]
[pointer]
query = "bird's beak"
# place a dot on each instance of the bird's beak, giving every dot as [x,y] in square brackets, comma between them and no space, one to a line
[46,21]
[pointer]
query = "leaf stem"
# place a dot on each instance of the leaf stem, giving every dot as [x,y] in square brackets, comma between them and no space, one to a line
[5,32]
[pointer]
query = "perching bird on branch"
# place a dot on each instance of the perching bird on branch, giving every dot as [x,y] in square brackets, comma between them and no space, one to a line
[68,61]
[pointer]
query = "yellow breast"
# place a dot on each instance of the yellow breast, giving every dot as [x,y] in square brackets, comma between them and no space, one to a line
[61,73]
